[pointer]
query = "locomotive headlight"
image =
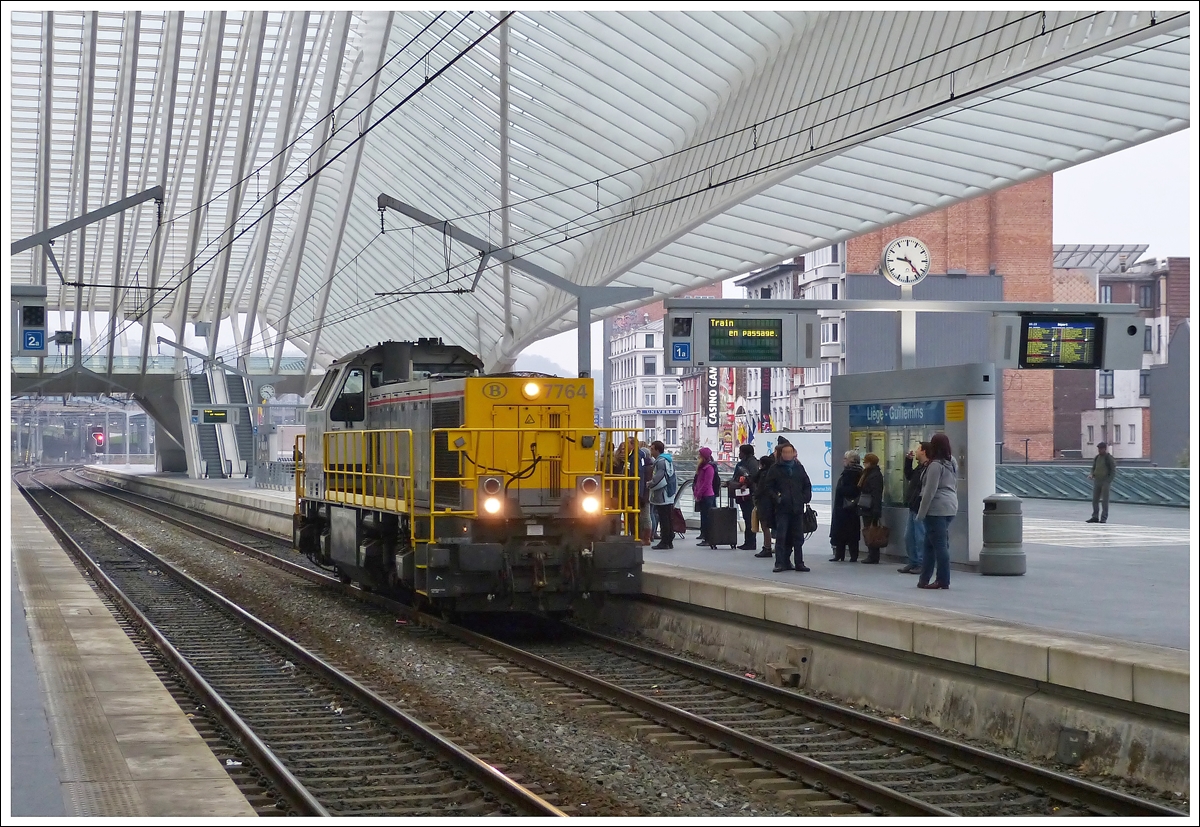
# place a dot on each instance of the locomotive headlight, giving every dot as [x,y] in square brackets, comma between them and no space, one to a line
[531,390]
[589,485]
[492,505]
[591,504]
[491,485]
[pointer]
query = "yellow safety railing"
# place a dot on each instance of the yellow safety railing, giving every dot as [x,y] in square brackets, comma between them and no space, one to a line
[298,456]
[485,449]
[371,469]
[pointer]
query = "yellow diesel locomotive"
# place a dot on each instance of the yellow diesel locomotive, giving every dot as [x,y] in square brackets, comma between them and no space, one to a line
[420,475]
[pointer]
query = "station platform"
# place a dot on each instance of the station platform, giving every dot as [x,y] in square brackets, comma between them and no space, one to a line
[93,730]
[1103,608]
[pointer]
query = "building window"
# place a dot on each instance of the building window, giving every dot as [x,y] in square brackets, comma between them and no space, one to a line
[833,252]
[651,430]
[764,293]
[1132,434]
[650,398]
[1148,340]
[1091,434]
[1158,339]
[1144,383]
[650,340]
[1146,295]
[649,365]
[1106,384]
[1117,433]
[1106,294]
[671,432]
[671,399]
[833,290]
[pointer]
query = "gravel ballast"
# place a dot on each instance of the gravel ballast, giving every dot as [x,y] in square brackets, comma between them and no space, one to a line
[584,763]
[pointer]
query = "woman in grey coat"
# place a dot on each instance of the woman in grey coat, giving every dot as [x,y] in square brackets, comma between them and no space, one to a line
[870,485]
[939,504]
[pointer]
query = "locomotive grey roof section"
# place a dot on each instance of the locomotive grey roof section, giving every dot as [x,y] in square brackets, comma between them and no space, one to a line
[663,150]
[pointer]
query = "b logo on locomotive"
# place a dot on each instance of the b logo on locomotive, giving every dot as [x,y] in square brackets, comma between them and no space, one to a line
[494,390]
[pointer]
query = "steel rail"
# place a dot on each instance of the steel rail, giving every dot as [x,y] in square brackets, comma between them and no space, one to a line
[1019,774]
[485,775]
[1002,768]
[301,800]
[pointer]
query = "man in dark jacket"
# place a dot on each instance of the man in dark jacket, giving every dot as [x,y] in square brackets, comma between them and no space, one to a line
[1104,469]
[740,490]
[789,489]
[914,480]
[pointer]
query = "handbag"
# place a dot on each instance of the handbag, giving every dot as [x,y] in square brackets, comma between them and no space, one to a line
[849,502]
[865,501]
[754,520]
[876,535]
[808,523]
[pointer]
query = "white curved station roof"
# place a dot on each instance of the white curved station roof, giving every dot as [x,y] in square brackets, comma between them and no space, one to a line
[655,149]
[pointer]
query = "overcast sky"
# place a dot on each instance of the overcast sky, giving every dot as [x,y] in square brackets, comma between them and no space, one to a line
[1137,196]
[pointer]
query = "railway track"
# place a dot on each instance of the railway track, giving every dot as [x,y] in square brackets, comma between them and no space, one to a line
[327,744]
[803,747]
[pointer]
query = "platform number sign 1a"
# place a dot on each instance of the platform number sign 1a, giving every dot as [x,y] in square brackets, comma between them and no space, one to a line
[681,352]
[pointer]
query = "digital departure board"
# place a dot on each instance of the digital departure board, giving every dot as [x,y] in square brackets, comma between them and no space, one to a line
[745,340]
[215,417]
[1062,342]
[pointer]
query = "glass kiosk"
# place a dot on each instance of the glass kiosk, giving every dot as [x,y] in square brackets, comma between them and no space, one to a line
[890,413]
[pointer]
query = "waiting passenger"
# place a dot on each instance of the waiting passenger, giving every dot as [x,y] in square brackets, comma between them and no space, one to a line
[843,523]
[741,490]
[704,491]
[1104,469]
[939,504]
[764,514]
[914,536]
[790,490]
[870,503]
[662,491]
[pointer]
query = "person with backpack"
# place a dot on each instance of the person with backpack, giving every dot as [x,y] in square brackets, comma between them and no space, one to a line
[637,460]
[662,490]
[790,490]
[741,491]
[704,490]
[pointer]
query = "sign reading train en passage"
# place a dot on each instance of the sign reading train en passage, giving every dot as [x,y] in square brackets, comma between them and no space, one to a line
[751,337]
[745,340]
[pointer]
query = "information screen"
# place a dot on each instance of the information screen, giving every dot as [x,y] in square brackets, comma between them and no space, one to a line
[1062,342]
[215,417]
[745,340]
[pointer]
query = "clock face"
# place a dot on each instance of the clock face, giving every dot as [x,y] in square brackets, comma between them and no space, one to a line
[905,261]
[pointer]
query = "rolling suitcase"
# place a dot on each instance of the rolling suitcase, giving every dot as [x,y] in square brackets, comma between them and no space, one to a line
[723,526]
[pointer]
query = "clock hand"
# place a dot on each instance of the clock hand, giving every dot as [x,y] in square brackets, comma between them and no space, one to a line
[910,264]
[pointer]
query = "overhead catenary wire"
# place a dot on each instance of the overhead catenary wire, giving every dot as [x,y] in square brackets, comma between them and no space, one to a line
[582,224]
[154,301]
[604,222]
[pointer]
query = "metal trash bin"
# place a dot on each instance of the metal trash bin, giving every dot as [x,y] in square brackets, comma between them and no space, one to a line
[1003,552]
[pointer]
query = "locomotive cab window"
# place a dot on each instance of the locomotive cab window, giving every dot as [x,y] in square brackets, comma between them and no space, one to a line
[351,404]
[376,375]
[323,391]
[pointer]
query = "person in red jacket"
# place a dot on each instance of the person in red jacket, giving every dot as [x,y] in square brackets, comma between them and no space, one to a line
[704,491]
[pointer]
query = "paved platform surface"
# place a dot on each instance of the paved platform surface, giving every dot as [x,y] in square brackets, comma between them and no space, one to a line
[94,731]
[1127,579]
[1078,573]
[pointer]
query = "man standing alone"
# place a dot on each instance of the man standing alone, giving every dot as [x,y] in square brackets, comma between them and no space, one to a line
[1104,468]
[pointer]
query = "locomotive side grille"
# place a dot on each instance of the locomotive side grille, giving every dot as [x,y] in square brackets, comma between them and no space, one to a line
[446,463]
[555,421]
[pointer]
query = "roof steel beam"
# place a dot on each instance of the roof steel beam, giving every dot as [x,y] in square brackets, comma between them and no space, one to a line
[339,34]
[130,53]
[169,57]
[381,29]
[46,113]
[85,167]
[290,117]
[212,56]
[254,36]
[46,236]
